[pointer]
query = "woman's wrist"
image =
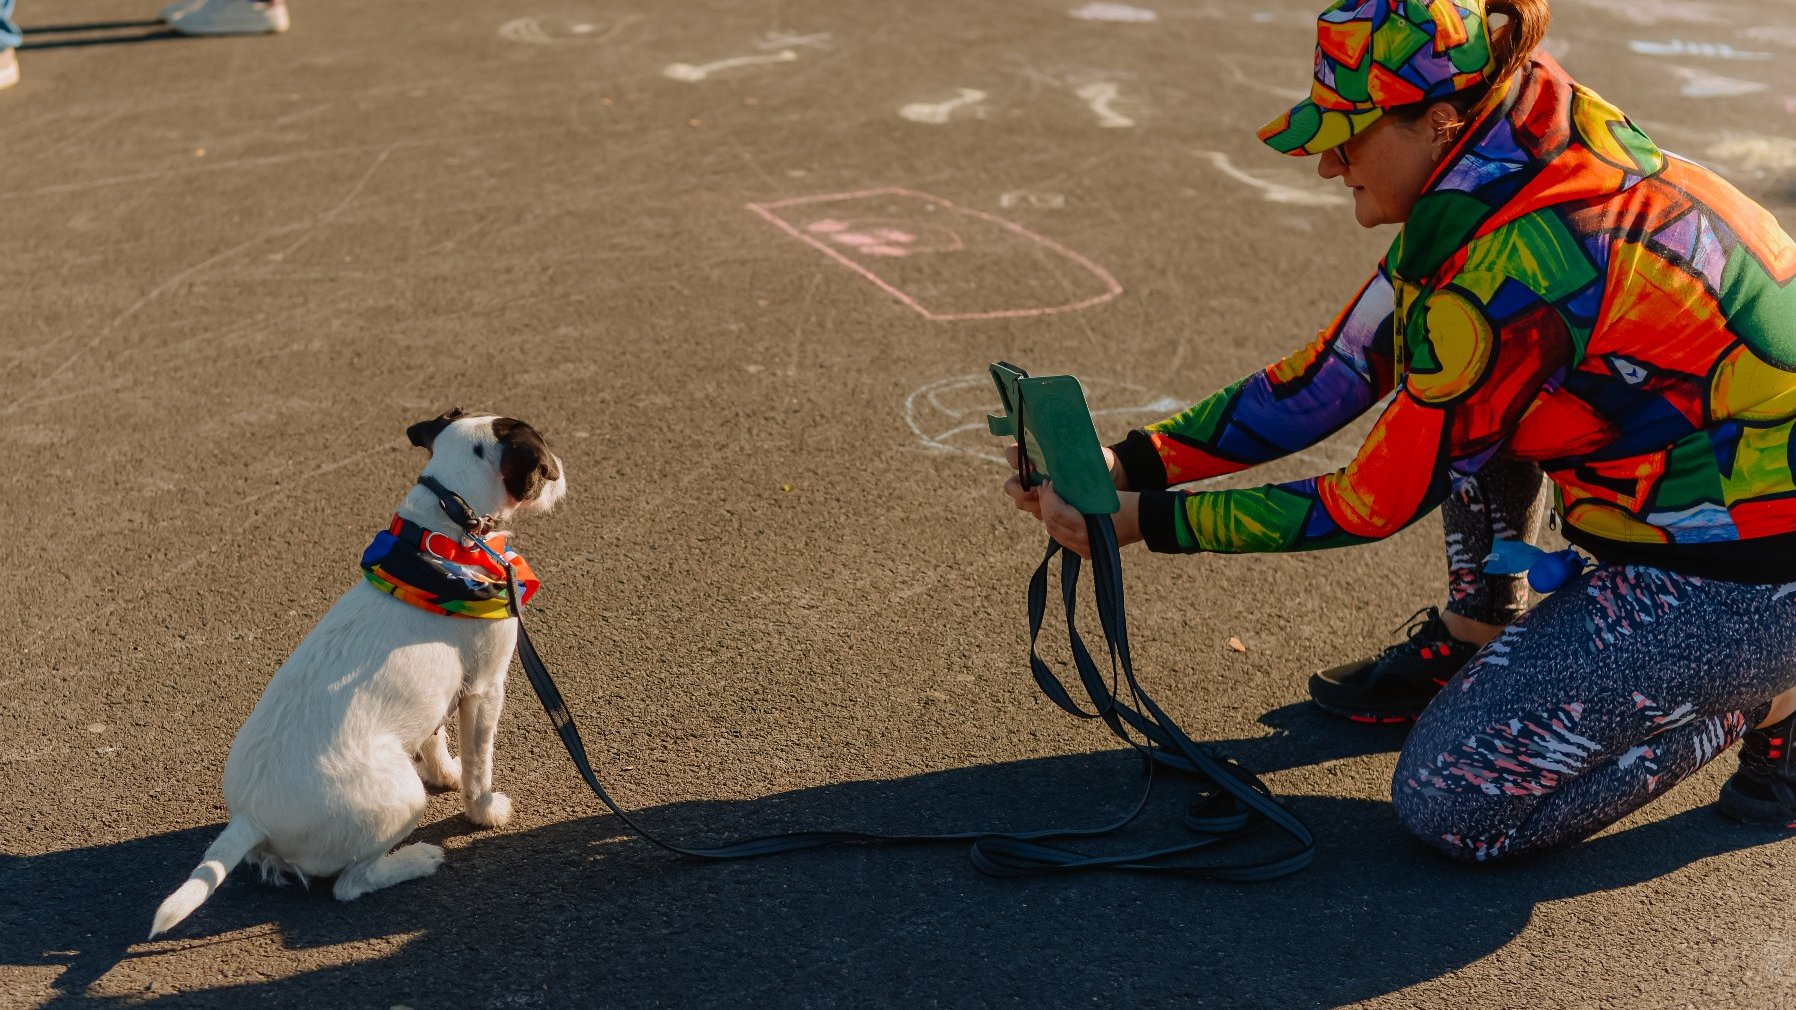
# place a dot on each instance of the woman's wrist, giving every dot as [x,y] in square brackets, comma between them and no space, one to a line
[1118,476]
[1135,463]
[1128,518]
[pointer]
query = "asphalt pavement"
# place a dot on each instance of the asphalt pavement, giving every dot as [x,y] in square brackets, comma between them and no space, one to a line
[744,262]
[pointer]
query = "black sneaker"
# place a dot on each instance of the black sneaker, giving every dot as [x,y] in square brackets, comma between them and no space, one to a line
[1395,686]
[1763,791]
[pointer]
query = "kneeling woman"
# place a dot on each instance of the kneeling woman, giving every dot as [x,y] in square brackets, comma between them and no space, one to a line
[1561,294]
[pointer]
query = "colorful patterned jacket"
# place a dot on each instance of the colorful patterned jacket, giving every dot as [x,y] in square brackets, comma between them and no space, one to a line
[1565,293]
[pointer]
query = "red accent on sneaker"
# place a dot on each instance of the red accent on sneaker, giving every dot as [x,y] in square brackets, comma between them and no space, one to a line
[1446,650]
[1363,718]
[1393,719]
[1428,652]
[1776,741]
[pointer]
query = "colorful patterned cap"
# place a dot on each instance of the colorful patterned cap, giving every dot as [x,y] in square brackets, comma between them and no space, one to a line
[1372,55]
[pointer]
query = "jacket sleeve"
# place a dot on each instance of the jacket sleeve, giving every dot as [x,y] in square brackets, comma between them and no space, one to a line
[1478,352]
[1289,406]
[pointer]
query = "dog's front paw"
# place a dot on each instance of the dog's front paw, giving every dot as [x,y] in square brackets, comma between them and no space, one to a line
[490,810]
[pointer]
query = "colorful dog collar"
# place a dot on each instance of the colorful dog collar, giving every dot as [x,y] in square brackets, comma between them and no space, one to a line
[435,572]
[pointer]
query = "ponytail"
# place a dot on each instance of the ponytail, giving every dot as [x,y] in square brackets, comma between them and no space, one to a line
[1524,25]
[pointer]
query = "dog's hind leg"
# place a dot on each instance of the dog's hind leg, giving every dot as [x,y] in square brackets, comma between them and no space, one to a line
[387,809]
[409,862]
[438,768]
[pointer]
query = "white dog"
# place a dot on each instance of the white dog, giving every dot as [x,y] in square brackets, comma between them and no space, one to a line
[327,775]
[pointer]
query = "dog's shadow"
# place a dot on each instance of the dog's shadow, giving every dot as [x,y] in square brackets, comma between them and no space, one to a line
[581,913]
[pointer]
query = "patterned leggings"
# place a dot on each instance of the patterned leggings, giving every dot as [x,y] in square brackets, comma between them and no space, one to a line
[1612,690]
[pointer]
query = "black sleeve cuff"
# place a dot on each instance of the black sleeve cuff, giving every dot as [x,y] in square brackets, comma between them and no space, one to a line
[1140,462]
[1158,515]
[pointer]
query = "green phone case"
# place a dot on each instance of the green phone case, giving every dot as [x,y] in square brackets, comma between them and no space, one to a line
[1048,417]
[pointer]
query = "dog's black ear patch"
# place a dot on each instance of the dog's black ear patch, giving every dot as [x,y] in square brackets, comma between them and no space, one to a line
[424,433]
[525,462]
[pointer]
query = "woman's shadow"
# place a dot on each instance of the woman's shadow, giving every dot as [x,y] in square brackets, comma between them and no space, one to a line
[579,912]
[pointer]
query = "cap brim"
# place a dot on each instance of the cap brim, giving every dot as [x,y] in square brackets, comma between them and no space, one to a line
[1310,129]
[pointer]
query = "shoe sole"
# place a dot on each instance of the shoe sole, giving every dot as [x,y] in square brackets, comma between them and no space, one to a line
[1759,813]
[181,27]
[1368,718]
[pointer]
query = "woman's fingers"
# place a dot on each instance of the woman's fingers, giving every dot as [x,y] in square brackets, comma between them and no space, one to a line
[1026,499]
[1064,523]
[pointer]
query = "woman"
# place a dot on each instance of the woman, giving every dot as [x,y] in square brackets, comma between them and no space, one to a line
[1561,295]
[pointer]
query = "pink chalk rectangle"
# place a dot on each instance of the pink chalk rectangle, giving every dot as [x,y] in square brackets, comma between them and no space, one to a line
[943,260]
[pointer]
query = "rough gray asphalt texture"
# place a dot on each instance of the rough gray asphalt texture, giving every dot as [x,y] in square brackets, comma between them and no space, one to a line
[235,270]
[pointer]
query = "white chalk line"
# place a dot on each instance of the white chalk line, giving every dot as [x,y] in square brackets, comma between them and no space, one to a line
[935,114]
[692,73]
[530,31]
[1272,191]
[1233,66]
[1702,84]
[1679,47]
[1099,95]
[1160,407]
[786,40]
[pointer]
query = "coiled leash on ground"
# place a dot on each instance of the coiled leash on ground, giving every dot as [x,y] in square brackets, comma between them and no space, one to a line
[1232,801]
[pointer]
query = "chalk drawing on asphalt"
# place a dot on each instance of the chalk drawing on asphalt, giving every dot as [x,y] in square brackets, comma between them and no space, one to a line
[547,31]
[1275,192]
[944,261]
[787,40]
[1113,12]
[1101,96]
[937,113]
[702,71]
[1679,47]
[948,416]
[1702,84]
[1040,199]
[1232,64]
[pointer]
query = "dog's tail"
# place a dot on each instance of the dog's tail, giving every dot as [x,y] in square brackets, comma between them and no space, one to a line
[238,838]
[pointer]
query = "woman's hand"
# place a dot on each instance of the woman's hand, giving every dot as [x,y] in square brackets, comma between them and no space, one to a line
[1065,523]
[1028,499]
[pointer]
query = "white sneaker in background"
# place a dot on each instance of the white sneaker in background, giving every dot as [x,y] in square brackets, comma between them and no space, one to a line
[231,17]
[9,68]
[176,9]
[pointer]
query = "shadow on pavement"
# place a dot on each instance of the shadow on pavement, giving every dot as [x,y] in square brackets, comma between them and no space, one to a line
[576,913]
[34,34]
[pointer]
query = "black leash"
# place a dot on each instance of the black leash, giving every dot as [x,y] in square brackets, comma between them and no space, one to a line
[1233,802]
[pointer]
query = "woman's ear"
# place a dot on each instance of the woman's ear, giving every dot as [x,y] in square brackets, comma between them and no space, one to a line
[1444,119]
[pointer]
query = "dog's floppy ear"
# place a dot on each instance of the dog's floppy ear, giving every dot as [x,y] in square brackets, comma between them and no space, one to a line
[424,433]
[525,462]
